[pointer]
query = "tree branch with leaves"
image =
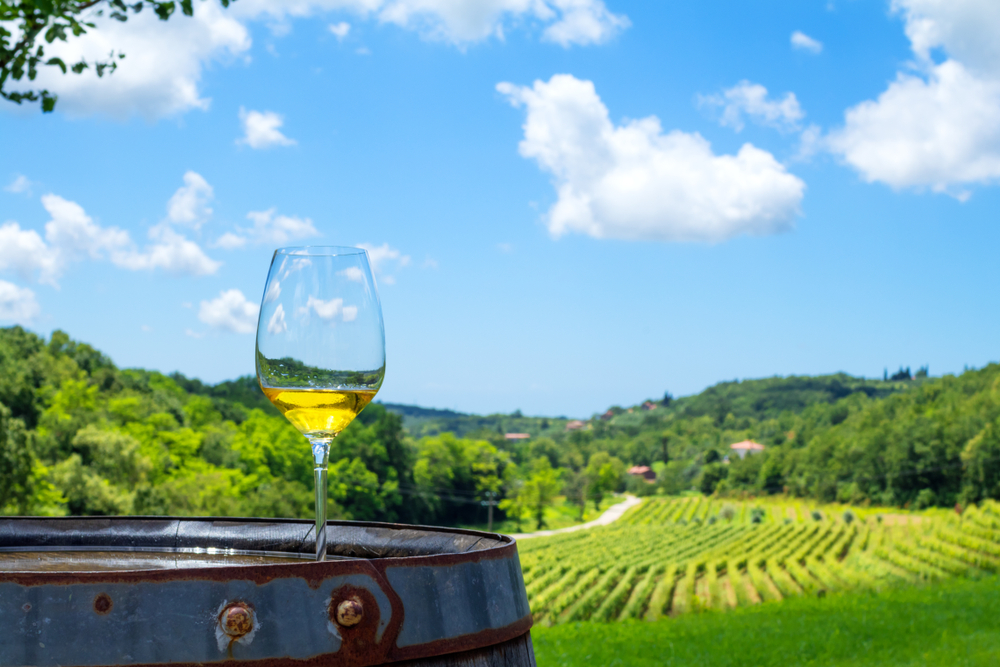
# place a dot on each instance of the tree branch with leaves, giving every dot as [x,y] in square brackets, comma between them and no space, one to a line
[28,26]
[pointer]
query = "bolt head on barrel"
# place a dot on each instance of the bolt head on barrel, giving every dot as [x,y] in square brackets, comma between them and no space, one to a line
[350,612]
[236,620]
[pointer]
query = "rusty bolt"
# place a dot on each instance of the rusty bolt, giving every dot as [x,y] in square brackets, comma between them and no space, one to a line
[236,620]
[350,612]
[103,603]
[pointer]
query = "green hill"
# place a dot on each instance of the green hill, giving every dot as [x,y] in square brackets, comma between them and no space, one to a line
[80,435]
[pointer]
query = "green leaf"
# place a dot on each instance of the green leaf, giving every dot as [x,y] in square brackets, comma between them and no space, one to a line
[164,9]
[187,8]
[57,61]
[48,102]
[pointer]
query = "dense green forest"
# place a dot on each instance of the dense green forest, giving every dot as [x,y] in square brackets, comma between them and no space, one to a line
[80,436]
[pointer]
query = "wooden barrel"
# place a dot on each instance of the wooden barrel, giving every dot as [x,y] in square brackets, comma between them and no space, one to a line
[80,592]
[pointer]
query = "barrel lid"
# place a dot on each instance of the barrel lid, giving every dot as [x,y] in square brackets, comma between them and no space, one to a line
[227,540]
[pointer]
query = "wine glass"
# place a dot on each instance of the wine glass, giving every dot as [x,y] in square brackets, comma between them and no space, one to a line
[320,348]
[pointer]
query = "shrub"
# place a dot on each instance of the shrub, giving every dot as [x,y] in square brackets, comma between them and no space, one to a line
[926,498]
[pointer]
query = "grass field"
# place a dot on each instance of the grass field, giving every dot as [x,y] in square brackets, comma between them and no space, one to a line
[677,556]
[954,624]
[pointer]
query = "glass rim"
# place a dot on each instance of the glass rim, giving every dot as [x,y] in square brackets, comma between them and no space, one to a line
[321,250]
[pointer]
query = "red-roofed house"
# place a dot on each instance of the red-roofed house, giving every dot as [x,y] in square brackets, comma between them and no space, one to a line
[643,471]
[575,425]
[746,447]
[517,436]
[649,405]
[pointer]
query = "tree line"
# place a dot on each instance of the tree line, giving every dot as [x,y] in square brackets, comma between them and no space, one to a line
[78,435]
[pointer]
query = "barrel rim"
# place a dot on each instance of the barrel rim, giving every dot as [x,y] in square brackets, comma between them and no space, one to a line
[500,537]
[504,546]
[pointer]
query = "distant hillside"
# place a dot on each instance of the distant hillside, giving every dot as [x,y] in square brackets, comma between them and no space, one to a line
[421,422]
[769,397]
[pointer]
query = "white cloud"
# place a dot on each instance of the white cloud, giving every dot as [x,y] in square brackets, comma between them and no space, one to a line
[273,291]
[568,22]
[19,185]
[269,229]
[22,251]
[276,324]
[584,22]
[290,266]
[804,42]
[189,205]
[17,304]
[161,75]
[937,126]
[941,132]
[353,273]
[383,255]
[339,30]
[385,261]
[171,252]
[230,311]
[326,310]
[811,141]
[261,129]
[751,99]
[72,235]
[965,29]
[230,241]
[634,181]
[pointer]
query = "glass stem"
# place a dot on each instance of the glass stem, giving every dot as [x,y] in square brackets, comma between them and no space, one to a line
[321,456]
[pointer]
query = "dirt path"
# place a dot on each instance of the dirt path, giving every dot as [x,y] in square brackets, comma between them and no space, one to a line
[610,515]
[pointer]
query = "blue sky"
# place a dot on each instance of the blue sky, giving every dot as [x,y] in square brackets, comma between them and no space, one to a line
[570,204]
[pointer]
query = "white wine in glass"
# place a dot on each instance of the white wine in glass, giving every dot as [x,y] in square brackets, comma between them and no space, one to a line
[320,348]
